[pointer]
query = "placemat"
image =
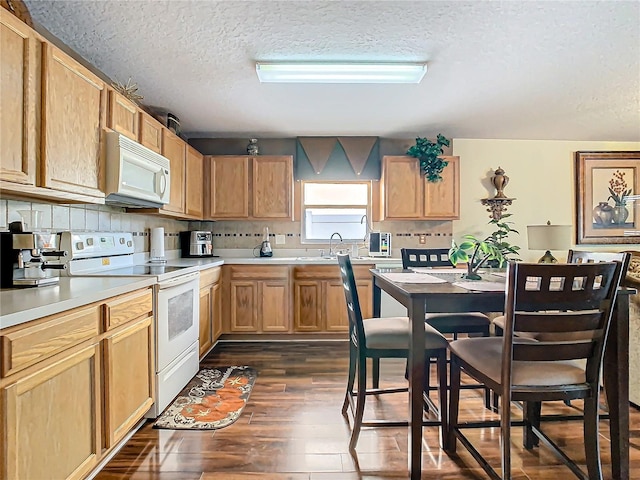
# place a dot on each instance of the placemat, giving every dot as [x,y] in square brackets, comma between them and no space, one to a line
[412,278]
[438,270]
[481,286]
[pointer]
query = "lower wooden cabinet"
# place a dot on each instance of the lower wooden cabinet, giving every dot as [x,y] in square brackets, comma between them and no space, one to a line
[73,384]
[318,297]
[51,418]
[128,378]
[259,299]
[210,309]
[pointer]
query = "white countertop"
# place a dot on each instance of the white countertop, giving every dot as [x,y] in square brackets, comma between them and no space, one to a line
[20,305]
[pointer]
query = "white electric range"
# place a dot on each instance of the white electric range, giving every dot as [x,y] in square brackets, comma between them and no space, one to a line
[176,303]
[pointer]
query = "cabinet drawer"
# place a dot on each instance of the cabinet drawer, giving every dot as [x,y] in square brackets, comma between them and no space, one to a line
[25,346]
[244,272]
[328,272]
[127,307]
[209,276]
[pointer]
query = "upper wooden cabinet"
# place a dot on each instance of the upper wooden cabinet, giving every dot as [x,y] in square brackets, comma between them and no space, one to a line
[150,132]
[249,187]
[123,115]
[194,183]
[406,195]
[175,150]
[72,119]
[18,100]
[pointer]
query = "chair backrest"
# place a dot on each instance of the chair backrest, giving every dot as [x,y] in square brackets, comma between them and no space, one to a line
[583,256]
[425,257]
[356,327]
[559,299]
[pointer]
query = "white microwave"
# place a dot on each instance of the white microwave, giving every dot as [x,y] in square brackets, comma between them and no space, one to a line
[135,175]
[379,244]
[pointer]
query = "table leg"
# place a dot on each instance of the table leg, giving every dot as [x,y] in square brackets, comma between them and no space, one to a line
[616,384]
[416,382]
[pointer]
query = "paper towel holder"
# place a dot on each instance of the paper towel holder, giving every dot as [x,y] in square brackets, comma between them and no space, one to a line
[156,254]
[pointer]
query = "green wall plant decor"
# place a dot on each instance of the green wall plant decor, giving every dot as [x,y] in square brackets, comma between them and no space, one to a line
[428,154]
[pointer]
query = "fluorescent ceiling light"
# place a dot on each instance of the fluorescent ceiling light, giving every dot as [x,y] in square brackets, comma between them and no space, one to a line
[341,72]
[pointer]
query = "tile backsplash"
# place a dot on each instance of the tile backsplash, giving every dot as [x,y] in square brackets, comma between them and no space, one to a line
[227,234]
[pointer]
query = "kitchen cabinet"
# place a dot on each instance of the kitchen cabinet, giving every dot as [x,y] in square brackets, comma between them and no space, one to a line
[150,132]
[50,411]
[73,384]
[194,183]
[406,195]
[18,100]
[258,299]
[72,120]
[129,365]
[318,297]
[174,149]
[123,115]
[242,187]
[210,309]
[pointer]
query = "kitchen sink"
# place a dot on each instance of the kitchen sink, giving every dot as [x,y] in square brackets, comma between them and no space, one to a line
[317,259]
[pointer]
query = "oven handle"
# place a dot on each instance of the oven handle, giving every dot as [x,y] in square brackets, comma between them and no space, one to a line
[174,282]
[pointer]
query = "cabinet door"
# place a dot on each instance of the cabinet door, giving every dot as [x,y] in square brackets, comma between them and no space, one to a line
[272,187]
[244,306]
[402,188]
[216,310]
[129,376]
[335,307]
[150,133]
[50,419]
[442,199]
[18,100]
[194,183]
[274,306]
[123,115]
[228,187]
[174,149]
[307,305]
[73,109]
[206,333]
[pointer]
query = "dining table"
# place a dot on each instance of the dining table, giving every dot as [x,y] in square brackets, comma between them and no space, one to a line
[451,293]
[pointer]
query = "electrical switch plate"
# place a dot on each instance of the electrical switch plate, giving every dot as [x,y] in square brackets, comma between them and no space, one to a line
[423,239]
[279,239]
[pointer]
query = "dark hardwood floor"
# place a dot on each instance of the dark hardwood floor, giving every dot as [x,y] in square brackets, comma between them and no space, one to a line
[292,428]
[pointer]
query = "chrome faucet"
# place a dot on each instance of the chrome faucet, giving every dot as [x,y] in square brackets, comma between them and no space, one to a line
[331,253]
[367,227]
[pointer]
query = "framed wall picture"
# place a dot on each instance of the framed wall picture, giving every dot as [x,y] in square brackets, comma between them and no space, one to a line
[607,197]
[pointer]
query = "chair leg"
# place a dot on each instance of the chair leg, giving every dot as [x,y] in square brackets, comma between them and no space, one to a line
[531,419]
[360,398]
[454,401]
[441,365]
[505,435]
[375,372]
[353,356]
[591,440]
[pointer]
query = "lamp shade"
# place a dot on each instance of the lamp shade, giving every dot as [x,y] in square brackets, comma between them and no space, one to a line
[549,237]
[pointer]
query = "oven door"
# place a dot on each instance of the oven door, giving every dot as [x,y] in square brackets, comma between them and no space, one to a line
[177,317]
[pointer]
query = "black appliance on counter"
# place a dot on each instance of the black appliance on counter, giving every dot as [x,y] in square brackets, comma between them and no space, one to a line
[196,244]
[29,259]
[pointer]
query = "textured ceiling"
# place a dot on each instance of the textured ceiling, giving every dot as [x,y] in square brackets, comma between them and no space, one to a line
[565,70]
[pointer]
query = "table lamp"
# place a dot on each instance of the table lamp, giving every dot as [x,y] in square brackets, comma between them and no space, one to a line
[548,237]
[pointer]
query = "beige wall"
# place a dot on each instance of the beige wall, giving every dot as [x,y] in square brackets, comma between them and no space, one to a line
[542,181]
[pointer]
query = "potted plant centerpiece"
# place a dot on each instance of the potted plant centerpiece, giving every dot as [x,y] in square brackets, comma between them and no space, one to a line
[494,250]
[428,154]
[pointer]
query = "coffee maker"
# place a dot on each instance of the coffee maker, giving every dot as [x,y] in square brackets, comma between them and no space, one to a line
[196,244]
[29,259]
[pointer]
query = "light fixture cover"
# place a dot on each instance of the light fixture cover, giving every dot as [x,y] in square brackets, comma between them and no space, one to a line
[324,72]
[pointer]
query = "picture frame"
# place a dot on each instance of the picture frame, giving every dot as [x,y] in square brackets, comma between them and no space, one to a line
[607,197]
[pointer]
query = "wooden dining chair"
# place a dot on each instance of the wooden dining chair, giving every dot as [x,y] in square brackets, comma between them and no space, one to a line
[447,323]
[541,298]
[384,338]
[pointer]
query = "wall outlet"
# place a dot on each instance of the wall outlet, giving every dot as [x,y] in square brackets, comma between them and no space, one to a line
[423,239]
[279,239]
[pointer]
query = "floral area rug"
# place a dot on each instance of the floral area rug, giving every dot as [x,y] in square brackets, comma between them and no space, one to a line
[213,399]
